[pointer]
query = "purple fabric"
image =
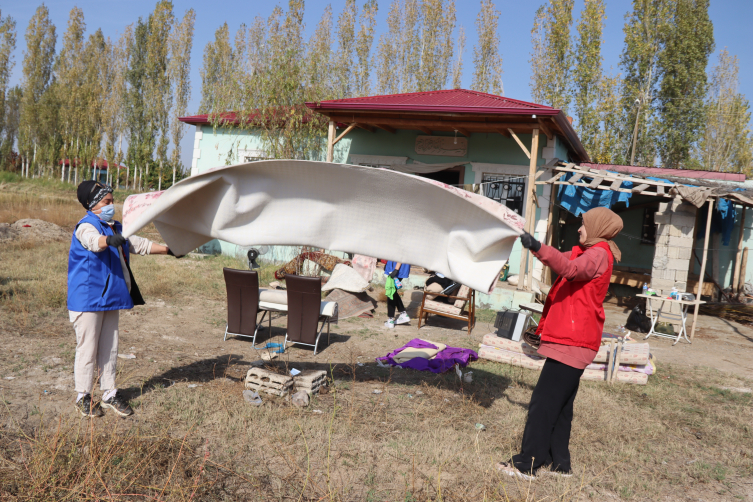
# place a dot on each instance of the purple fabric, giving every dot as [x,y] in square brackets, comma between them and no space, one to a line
[442,362]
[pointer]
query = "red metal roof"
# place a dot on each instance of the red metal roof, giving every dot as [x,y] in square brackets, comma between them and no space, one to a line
[660,171]
[447,100]
[204,119]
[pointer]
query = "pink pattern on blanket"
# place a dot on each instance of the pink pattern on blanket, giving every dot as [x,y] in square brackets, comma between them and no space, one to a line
[489,205]
[364,265]
[136,204]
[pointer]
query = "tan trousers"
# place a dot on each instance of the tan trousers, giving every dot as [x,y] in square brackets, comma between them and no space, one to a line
[96,349]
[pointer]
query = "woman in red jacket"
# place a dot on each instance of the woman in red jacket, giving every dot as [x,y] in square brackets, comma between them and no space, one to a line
[570,330]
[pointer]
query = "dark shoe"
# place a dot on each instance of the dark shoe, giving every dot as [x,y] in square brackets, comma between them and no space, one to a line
[511,470]
[118,405]
[85,407]
[560,473]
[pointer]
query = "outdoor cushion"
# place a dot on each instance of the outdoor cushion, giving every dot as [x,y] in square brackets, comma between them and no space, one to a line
[433,288]
[278,296]
[441,307]
[464,292]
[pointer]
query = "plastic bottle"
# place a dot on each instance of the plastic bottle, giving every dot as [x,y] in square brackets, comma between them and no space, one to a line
[673,295]
[645,288]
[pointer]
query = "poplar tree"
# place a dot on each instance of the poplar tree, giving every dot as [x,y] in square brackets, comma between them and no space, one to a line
[95,94]
[605,145]
[487,74]
[416,52]
[644,25]
[11,120]
[37,74]
[346,37]
[727,142]
[69,73]
[158,89]
[688,40]
[217,67]
[457,66]
[181,42]
[551,54]
[587,72]
[364,41]
[141,139]
[114,113]
[389,50]
[7,46]
[319,58]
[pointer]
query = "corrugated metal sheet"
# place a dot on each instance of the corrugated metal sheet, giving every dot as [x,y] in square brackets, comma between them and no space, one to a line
[458,100]
[658,172]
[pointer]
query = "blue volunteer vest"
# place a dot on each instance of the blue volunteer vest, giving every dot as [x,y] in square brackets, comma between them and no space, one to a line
[96,281]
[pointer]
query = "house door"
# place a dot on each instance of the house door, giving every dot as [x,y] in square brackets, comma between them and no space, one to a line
[451,176]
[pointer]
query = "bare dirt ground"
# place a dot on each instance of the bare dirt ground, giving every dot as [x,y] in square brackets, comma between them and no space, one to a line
[682,437]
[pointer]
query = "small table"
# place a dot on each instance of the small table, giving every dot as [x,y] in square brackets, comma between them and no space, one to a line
[535,308]
[682,317]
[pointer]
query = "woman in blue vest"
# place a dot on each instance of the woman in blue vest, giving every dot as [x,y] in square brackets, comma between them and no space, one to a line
[400,271]
[100,285]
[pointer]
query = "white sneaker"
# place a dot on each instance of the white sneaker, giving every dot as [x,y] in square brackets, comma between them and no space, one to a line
[402,318]
[390,324]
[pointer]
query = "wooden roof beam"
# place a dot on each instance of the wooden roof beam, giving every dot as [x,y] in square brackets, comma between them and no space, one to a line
[385,128]
[464,132]
[545,128]
[345,132]
[503,133]
[366,127]
[425,130]
[470,126]
[520,143]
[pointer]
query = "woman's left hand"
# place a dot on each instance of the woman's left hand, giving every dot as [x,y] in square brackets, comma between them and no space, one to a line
[529,242]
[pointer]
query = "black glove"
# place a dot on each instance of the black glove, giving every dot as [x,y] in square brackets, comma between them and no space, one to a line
[116,240]
[529,242]
[393,274]
[170,253]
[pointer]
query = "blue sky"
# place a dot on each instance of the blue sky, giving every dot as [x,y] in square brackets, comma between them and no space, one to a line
[731,20]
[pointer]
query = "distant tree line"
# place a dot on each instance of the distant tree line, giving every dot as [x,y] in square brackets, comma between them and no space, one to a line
[94,95]
[85,103]
[663,108]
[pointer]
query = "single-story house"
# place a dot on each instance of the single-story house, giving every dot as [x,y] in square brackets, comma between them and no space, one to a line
[460,137]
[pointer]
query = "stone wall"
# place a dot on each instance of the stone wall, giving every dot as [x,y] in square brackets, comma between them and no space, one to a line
[675,224]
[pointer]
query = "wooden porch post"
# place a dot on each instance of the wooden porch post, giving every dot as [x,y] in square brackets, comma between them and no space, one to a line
[531,208]
[331,141]
[736,276]
[703,268]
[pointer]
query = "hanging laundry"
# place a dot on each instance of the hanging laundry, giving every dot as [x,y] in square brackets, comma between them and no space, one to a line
[579,199]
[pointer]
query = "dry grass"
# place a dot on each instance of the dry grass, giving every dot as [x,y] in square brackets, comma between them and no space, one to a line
[416,440]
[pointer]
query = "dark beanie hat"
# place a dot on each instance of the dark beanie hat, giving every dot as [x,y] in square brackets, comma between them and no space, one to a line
[90,192]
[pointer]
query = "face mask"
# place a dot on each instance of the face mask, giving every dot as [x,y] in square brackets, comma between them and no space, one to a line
[107,213]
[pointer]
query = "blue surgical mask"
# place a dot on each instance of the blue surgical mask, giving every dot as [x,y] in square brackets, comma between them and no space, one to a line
[107,213]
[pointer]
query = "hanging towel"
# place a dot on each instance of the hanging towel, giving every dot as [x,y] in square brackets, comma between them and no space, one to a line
[389,287]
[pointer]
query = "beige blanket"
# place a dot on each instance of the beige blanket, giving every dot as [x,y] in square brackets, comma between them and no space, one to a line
[413,352]
[464,236]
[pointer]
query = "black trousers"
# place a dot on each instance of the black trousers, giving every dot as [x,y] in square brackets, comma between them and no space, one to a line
[546,437]
[395,302]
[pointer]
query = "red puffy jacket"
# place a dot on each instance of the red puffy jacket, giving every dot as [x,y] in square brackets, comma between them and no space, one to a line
[574,310]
